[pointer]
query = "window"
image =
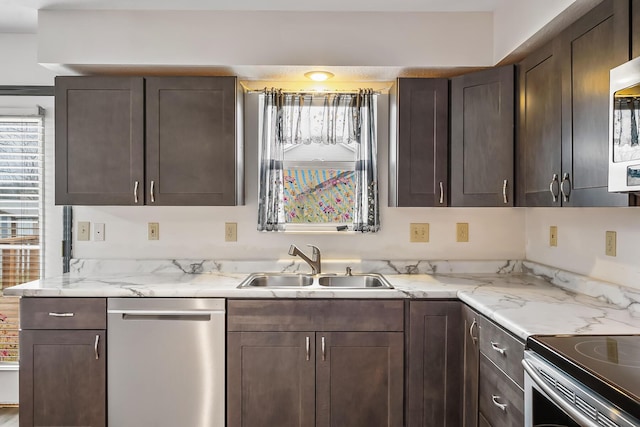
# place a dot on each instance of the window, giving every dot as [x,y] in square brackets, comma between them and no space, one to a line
[318,162]
[21,207]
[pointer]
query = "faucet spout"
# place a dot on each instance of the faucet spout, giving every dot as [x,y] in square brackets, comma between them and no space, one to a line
[315,260]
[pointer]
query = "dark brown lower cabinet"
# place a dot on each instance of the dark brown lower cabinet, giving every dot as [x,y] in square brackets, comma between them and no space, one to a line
[434,364]
[359,379]
[271,378]
[295,379]
[63,378]
[471,368]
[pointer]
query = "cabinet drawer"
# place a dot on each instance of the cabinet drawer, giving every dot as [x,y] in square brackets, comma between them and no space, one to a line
[501,401]
[63,313]
[315,315]
[502,349]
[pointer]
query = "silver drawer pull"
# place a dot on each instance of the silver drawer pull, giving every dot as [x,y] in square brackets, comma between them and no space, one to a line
[504,191]
[95,347]
[502,406]
[308,348]
[53,314]
[135,192]
[473,325]
[152,191]
[554,194]
[441,200]
[324,350]
[494,345]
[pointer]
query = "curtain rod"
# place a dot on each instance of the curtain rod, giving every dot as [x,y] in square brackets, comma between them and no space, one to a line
[324,92]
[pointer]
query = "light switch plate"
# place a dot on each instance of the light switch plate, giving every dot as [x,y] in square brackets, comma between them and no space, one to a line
[610,243]
[83,230]
[553,235]
[154,231]
[419,232]
[230,231]
[462,232]
[98,232]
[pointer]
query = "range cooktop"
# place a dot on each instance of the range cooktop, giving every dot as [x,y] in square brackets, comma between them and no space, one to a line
[607,364]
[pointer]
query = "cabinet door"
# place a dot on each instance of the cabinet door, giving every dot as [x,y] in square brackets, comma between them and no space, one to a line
[99,151]
[471,364]
[359,379]
[539,128]
[62,378]
[270,379]
[434,364]
[590,48]
[635,28]
[420,156]
[482,138]
[191,141]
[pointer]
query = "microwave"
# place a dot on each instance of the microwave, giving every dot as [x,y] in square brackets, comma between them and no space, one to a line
[624,128]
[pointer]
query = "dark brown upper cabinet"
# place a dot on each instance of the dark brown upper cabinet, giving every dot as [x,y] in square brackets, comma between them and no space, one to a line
[564,110]
[539,128]
[188,153]
[99,152]
[590,48]
[635,28]
[482,138]
[418,160]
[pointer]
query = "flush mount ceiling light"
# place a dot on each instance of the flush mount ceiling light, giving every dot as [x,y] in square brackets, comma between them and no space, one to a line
[318,76]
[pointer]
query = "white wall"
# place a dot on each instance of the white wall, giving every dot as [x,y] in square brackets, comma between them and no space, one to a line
[515,21]
[20,63]
[198,232]
[222,38]
[581,241]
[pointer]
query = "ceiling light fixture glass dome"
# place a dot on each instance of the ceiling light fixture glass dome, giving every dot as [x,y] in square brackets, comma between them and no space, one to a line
[318,76]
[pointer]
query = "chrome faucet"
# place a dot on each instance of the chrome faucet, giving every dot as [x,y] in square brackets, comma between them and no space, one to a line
[314,261]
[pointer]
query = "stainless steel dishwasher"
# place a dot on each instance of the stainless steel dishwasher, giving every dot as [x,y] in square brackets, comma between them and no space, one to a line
[166,362]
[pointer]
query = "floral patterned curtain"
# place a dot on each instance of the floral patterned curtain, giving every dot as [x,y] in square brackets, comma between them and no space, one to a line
[345,118]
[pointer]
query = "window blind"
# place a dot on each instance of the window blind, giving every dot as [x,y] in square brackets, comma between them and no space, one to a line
[21,164]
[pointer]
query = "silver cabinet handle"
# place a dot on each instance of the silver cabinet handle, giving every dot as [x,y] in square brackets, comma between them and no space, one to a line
[502,406]
[474,324]
[135,191]
[554,194]
[441,193]
[504,191]
[565,195]
[308,348]
[495,346]
[151,190]
[53,314]
[324,350]
[95,347]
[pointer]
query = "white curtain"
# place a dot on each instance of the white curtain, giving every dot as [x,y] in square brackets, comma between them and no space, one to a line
[345,118]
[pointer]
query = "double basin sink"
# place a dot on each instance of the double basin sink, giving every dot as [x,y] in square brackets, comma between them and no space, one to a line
[317,281]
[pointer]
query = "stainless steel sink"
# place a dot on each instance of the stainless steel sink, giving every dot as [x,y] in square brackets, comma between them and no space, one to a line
[319,281]
[356,281]
[277,280]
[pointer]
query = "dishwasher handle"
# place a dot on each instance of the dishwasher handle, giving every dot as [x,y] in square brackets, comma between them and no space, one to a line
[166,314]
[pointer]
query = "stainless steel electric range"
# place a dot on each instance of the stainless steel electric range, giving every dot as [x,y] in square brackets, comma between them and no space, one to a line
[582,381]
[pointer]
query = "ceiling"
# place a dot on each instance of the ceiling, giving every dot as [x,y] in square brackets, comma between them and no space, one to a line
[20,16]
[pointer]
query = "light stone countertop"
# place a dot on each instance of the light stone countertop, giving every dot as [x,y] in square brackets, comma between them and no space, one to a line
[524,304]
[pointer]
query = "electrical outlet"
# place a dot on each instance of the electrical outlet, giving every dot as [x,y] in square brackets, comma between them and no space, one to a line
[83,230]
[553,235]
[154,231]
[462,232]
[230,232]
[419,232]
[610,243]
[98,232]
